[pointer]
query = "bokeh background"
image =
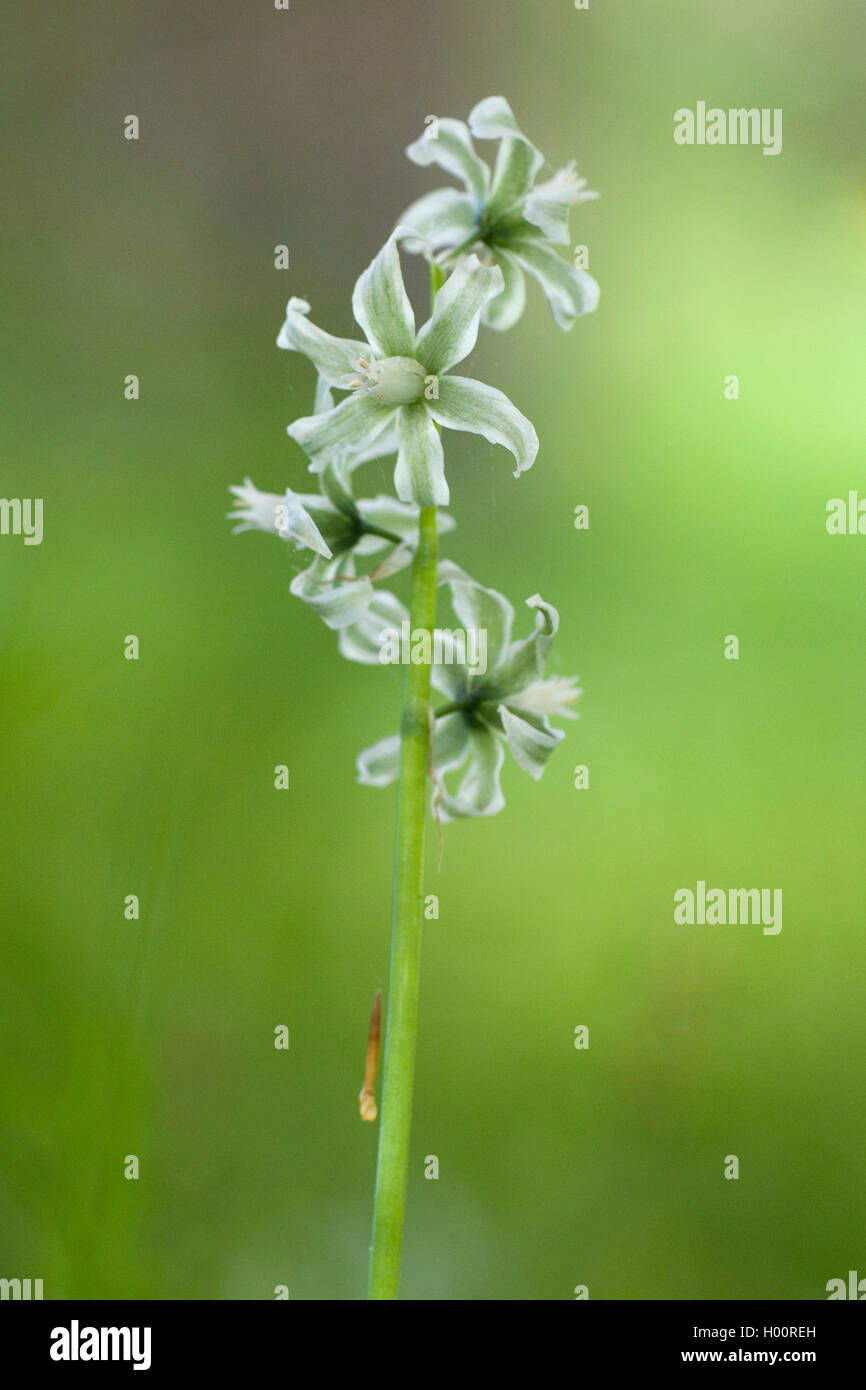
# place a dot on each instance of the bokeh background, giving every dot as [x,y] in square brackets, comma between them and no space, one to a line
[259,907]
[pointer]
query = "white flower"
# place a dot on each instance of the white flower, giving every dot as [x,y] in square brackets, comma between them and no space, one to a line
[502,215]
[508,705]
[339,529]
[285,516]
[397,378]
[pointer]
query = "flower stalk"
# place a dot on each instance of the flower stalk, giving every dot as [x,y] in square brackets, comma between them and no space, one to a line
[392,1174]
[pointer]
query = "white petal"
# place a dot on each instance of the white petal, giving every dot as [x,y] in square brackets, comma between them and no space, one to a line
[362,640]
[503,311]
[380,764]
[479,609]
[380,447]
[530,746]
[444,217]
[452,150]
[286,516]
[351,426]
[524,662]
[517,162]
[553,696]
[479,792]
[332,590]
[381,305]
[465,404]
[451,332]
[336,359]
[570,292]
[451,742]
[389,514]
[295,522]
[420,473]
[547,206]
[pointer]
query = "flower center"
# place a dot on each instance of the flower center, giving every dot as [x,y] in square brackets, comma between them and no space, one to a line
[393,380]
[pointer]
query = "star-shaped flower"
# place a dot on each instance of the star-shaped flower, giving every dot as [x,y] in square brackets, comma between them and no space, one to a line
[503,215]
[509,704]
[397,378]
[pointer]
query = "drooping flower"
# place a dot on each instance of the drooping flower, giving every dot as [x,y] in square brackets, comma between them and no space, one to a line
[339,529]
[397,378]
[508,705]
[503,215]
[287,516]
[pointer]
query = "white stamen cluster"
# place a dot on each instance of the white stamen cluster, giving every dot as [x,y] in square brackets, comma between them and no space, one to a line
[393,380]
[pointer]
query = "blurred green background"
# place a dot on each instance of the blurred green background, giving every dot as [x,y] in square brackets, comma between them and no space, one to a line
[259,907]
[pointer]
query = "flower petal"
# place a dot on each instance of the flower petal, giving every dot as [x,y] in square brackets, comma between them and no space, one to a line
[379,764]
[524,662]
[451,332]
[334,482]
[336,359]
[381,305]
[479,610]
[465,404]
[384,444]
[295,523]
[479,792]
[451,742]
[570,292]
[504,309]
[517,162]
[548,204]
[452,150]
[445,217]
[530,746]
[361,641]
[332,589]
[420,473]
[448,678]
[388,514]
[352,425]
[286,516]
[493,119]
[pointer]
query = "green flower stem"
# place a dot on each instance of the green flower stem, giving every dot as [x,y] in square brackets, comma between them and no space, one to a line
[399,1073]
[392,1171]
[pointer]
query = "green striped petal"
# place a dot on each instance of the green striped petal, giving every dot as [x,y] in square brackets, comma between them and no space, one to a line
[451,743]
[504,309]
[451,332]
[479,792]
[362,640]
[530,746]
[444,217]
[465,404]
[335,359]
[570,292]
[479,609]
[517,162]
[452,150]
[524,662]
[381,305]
[352,425]
[420,473]
[332,590]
